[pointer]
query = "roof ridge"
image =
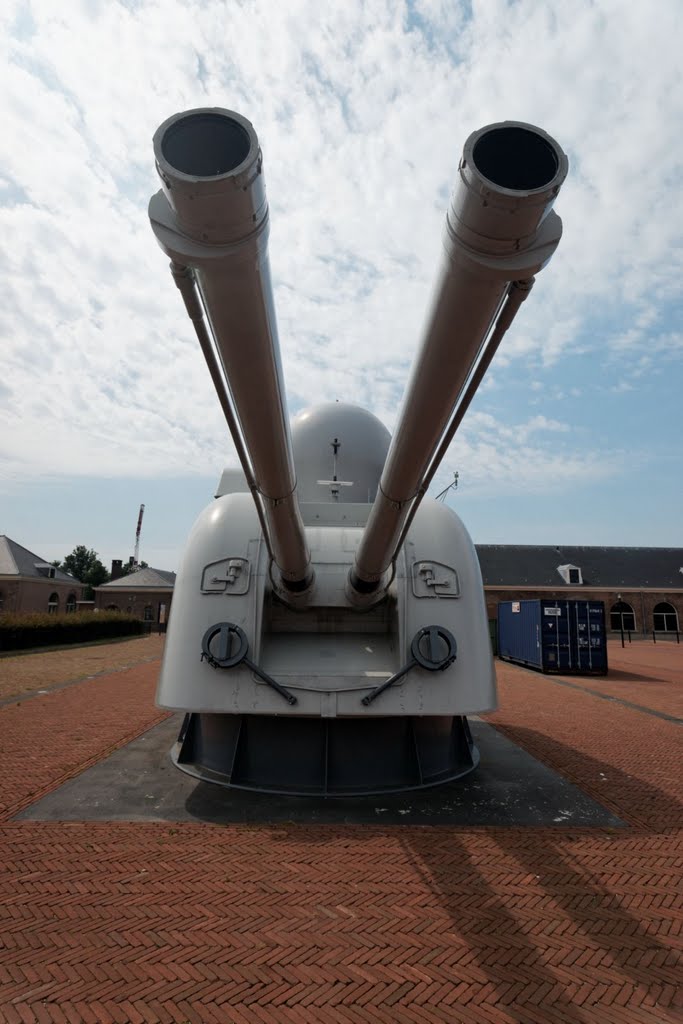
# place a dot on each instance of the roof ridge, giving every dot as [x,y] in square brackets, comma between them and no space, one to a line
[10,553]
[163,576]
[13,546]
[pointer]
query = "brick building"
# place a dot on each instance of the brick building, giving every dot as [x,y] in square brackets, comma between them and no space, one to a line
[30,584]
[147,594]
[642,588]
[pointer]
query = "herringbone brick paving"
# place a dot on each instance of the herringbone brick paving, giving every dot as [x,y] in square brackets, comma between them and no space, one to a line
[46,740]
[22,673]
[642,673]
[137,923]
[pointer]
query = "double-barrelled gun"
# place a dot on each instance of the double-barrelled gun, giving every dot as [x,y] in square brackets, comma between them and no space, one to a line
[355,595]
[211,218]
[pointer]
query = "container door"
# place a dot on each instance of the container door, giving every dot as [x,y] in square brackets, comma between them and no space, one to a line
[582,637]
[597,636]
[567,657]
[588,629]
[553,636]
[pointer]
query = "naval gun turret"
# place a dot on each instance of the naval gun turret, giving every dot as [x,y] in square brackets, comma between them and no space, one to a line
[329,631]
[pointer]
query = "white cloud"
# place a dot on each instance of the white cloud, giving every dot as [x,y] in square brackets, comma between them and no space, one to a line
[496,458]
[362,110]
[621,387]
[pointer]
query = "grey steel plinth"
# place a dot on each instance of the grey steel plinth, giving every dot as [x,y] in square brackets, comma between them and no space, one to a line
[325,757]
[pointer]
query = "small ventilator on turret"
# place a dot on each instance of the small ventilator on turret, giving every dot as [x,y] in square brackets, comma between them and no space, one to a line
[329,632]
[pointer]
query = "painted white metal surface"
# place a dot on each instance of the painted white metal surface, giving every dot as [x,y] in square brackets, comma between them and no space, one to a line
[211,215]
[330,587]
[498,230]
[338,442]
[328,654]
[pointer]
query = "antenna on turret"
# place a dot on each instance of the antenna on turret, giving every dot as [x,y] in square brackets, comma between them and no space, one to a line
[334,484]
[453,486]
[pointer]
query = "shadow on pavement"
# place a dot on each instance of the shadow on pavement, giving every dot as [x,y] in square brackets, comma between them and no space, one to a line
[629,795]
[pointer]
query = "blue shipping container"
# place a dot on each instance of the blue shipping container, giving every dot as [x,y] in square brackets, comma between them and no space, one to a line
[554,635]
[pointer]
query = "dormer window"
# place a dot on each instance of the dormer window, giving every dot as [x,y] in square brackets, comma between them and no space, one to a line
[571,574]
[46,569]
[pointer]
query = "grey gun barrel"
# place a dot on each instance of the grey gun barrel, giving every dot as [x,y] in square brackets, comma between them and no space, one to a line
[500,231]
[211,218]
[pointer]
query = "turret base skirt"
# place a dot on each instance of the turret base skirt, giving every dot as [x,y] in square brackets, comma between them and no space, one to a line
[335,757]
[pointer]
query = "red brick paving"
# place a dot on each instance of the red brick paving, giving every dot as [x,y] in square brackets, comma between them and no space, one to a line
[23,673]
[48,739]
[642,673]
[137,923]
[628,760]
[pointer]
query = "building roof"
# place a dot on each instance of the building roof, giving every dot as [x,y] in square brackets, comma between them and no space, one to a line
[536,565]
[152,579]
[16,560]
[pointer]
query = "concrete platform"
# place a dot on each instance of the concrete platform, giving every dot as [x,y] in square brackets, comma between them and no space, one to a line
[139,783]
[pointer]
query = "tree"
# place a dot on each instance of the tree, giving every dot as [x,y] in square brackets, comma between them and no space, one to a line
[128,568]
[84,564]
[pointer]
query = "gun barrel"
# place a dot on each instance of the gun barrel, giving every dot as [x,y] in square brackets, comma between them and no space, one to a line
[500,229]
[211,218]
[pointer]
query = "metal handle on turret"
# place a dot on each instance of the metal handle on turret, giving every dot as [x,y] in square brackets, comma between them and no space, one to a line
[432,659]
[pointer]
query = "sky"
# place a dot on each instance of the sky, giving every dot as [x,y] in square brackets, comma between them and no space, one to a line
[362,110]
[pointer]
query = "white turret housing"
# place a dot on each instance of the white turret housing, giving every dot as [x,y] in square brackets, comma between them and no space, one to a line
[329,631]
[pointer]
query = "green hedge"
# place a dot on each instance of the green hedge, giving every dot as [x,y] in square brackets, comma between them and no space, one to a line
[38,629]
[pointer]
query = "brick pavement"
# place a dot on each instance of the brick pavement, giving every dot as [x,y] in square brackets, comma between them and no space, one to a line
[642,673]
[22,673]
[628,760]
[191,923]
[49,739]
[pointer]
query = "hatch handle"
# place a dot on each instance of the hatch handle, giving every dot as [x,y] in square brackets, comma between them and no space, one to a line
[225,658]
[424,652]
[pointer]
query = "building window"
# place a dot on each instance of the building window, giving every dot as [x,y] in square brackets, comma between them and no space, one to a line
[71,603]
[112,607]
[53,603]
[149,613]
[623,617]
[571,574]
[665,618]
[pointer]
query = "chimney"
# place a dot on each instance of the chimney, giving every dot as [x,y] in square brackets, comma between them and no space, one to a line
[116,569]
